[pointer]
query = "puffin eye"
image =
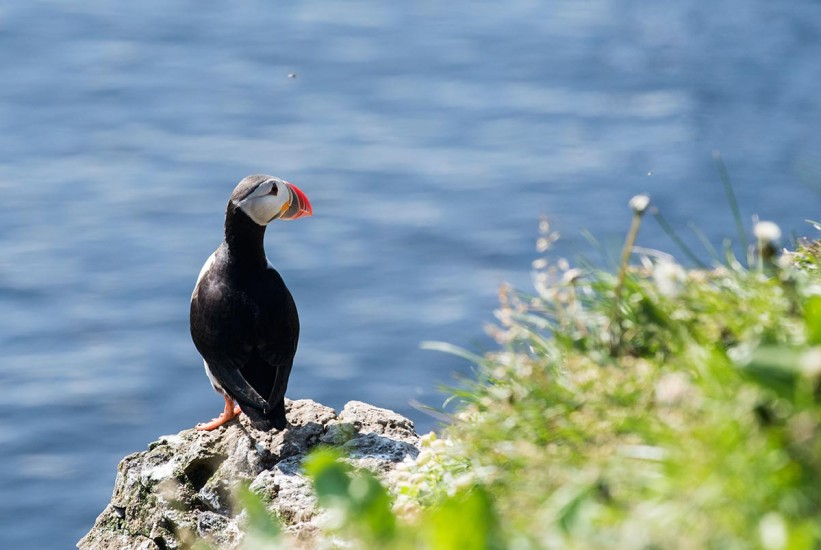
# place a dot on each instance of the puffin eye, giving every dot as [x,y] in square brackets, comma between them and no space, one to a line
[274,189]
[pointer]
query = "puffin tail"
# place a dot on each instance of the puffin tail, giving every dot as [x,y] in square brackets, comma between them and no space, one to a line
[272,420]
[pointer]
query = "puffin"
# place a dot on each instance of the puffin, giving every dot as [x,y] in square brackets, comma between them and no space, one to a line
[243,319]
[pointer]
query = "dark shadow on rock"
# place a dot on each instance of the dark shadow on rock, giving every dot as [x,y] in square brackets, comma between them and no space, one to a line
[357,445]
[378,446]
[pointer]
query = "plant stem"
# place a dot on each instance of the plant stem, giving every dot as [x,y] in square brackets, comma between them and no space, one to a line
[615,318]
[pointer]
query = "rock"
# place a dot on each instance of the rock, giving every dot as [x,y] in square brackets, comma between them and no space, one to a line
[180,489]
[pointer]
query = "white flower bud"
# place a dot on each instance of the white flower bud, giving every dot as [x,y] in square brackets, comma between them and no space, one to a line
[767,232]
[639,204]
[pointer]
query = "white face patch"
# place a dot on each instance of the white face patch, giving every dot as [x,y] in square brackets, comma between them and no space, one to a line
[261,206]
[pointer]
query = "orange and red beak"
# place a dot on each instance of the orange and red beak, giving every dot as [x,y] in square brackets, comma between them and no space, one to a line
[298,205]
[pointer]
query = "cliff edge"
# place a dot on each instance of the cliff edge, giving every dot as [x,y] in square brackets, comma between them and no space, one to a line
[180,489]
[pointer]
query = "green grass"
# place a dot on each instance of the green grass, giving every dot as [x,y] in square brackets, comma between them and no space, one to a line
[650,407]
[654,408]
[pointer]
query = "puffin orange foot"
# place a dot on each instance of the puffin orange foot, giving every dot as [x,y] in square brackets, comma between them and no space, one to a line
[230,412]
[214,424]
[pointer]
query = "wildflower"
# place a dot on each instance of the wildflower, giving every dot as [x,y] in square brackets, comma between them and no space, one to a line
[541,263]
[669,278]
[464,481]
[639,204]
[544,242]
[571,276]
[424,457]
[786,260]
[767,232]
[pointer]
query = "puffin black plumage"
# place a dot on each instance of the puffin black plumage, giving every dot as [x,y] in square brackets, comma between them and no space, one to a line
[244,321]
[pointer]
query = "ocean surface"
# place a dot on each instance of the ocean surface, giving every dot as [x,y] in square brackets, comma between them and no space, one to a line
[430,138]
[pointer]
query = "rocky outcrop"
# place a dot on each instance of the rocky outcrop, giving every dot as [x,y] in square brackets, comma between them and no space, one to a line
[180,490]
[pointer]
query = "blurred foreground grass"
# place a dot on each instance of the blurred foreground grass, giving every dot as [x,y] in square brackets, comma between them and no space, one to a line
[653,407]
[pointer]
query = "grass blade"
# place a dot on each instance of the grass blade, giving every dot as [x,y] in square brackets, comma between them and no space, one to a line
[705,242]
[728,188]
[676,239]
[453,350]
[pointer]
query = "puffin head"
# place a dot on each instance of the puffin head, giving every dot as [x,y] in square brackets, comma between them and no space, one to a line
[265,198]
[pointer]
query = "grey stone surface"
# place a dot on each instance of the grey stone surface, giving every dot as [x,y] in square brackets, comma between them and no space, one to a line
[180,489]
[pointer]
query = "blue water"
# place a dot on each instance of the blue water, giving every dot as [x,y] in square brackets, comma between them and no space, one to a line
[429,138]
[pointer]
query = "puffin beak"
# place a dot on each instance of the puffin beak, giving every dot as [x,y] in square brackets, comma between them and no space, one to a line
[297,206]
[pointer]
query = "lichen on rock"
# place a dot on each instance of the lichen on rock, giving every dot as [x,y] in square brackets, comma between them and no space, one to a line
[181,489]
